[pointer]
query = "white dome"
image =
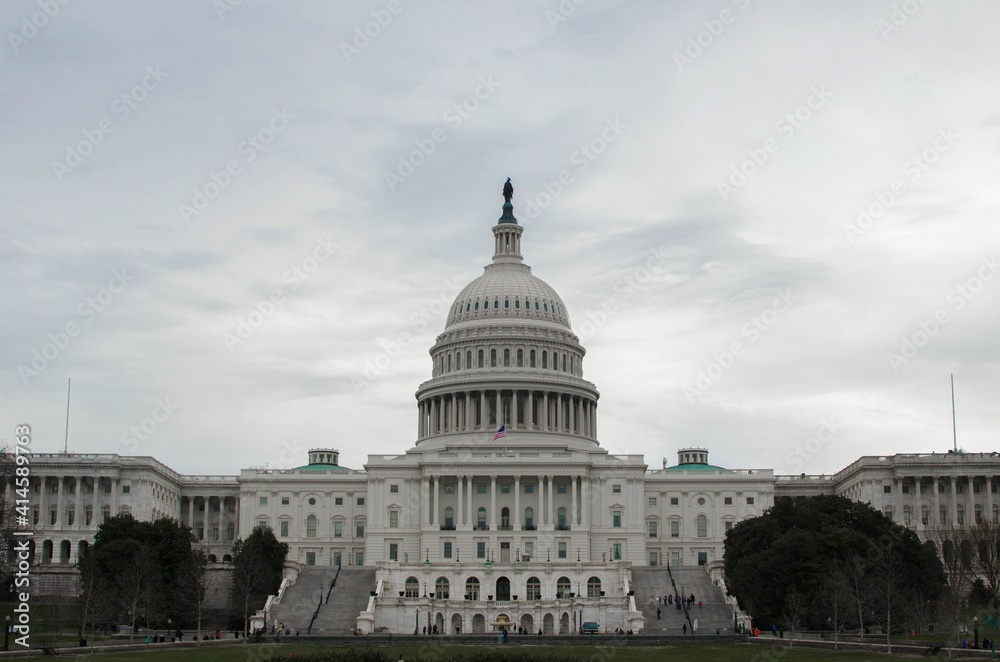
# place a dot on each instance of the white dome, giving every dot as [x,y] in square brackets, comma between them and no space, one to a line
[508,291]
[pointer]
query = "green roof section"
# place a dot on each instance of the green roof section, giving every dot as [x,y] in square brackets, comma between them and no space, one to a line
[696,467]
[321,467]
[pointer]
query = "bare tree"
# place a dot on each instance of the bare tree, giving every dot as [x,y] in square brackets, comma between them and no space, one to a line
[137,587]
[985,540]
[196,590]
[96,599]
[835,601]
[859,587]
[793,612]
[955,550]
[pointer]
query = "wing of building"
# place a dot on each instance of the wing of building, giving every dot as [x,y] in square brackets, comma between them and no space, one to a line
[506,492]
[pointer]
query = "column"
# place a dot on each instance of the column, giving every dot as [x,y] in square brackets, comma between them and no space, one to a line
[530,415]
[436,512]
[935,521]
[970,507]
[425,493]
[593,427]
[585,493]
[498,410]
[472,520]
[552,489]
[454,413]
[469,418]
[516,522]
[60,502]
[482,423]
[575,510]
[954,500]
[94,508]
[79,518]
[420,420]
[43,498]
[461,503]
[988,515]
[557,419]
[432,424]
[236,523]
[543,420]
[915,521]
[513,410]
[493,502]
[442,411]
[579,417]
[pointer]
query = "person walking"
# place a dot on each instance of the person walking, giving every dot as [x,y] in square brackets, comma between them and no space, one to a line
[657,613]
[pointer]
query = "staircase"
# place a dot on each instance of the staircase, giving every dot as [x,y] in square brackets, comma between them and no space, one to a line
[348,599]
[300,599]
[714,614]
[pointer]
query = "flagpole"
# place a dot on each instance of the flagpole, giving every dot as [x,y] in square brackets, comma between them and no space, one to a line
[954,426]
[69,383]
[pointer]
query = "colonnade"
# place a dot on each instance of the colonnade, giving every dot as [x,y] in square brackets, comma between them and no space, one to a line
[517,409]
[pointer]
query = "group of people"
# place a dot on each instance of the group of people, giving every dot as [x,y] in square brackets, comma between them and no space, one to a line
[679,600]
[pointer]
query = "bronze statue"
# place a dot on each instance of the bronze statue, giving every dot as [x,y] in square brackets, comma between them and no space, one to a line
[508,191]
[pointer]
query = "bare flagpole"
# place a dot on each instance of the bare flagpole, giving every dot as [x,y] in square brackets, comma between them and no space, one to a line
[954,427]
[69,383]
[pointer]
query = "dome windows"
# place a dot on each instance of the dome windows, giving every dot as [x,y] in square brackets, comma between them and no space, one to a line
[517,303]
[496,304]
[536,305]
[506,303]
[477,305]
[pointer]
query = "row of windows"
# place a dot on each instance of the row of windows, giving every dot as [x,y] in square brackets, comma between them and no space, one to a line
[311,522]
[944,515]
[542,307]
[450,362]
[473,588]
[337,501]
[675,501]
[700,523]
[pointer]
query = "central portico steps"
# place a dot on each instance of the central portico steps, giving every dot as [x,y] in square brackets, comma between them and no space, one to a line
[714,614]
[339,614]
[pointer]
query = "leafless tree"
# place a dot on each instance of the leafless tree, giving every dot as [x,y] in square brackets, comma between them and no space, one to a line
[95,603]
[985,540]
[957,558]
[196,590]
[835,600]
[793,612]
[859,586]
[137,587]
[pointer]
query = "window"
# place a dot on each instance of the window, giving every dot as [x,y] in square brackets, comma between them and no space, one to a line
[263,501]
[125,489]
[749,501]
[472,587]
[447,550]
[442,587]
[338,529]
[359,558]
[493,358]
[561,515]
[481,489]
[529,550]
[520,358]
[616,519]
[412,587]
[310,558]
[529,519]
[728,501]
[505,489]
[545,359]
[560,489]
[702,558]
[653,557]
[652,528]
[285,501]
[675,529]
[563,587]
[394,489]
[360,528]
[616,551]
[361,501]
[107,489]
[449,517]
[616,489]
[311,526]
[729,525]
[393,551]
[651,501]
[528,489]
[562,550]
[887,489]
[506,358]
[673,501]
[906,489]
[534,589]
[312,501]
[283,529]
[593,587]
[480,358]
[701,523]
[531,359]
[480,550]
[481,518]
[449,489]
[393,519]
[338,501]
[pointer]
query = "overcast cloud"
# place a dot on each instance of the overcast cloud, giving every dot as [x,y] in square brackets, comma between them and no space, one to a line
[168,169]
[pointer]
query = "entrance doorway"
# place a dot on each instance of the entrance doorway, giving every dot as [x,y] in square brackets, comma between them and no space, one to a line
[503,589]
[505,552]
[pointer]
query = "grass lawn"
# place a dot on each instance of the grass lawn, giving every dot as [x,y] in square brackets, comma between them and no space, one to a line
[681,653]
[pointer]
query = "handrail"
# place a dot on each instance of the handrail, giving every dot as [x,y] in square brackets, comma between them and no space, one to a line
[315,613]
[332,584]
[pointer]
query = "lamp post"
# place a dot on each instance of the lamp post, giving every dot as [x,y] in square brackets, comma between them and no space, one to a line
[6,634]
[577,554]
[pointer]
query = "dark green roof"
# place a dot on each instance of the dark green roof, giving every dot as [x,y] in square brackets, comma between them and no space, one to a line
[320,467]
[696,467]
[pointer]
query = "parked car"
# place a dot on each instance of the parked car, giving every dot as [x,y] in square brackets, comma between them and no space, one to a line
[589,628]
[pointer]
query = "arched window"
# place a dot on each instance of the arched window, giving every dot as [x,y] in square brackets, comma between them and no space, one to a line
[505,518]
[563,587]
[506,358]
[529,518]
[531,359]
[412,587]
[442,588]
[472,589]
[593,587]
[449,516]
[496,304]
[311,526]
[493,358]
[476,306]
[534,591]
[449,363]
[480,358]
[561,514]
[545,359]
[468,359]
[506,303]
[517,303]
[701,523]
[520,358]
[481,519]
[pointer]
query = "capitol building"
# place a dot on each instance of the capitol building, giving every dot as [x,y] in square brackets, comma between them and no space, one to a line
[505,496]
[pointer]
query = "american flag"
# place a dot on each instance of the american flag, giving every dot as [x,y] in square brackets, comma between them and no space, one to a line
[501,433]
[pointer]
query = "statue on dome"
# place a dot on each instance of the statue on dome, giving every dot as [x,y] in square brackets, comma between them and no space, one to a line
[508,191]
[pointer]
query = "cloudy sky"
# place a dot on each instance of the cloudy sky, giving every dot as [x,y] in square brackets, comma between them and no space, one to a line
[237,226]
